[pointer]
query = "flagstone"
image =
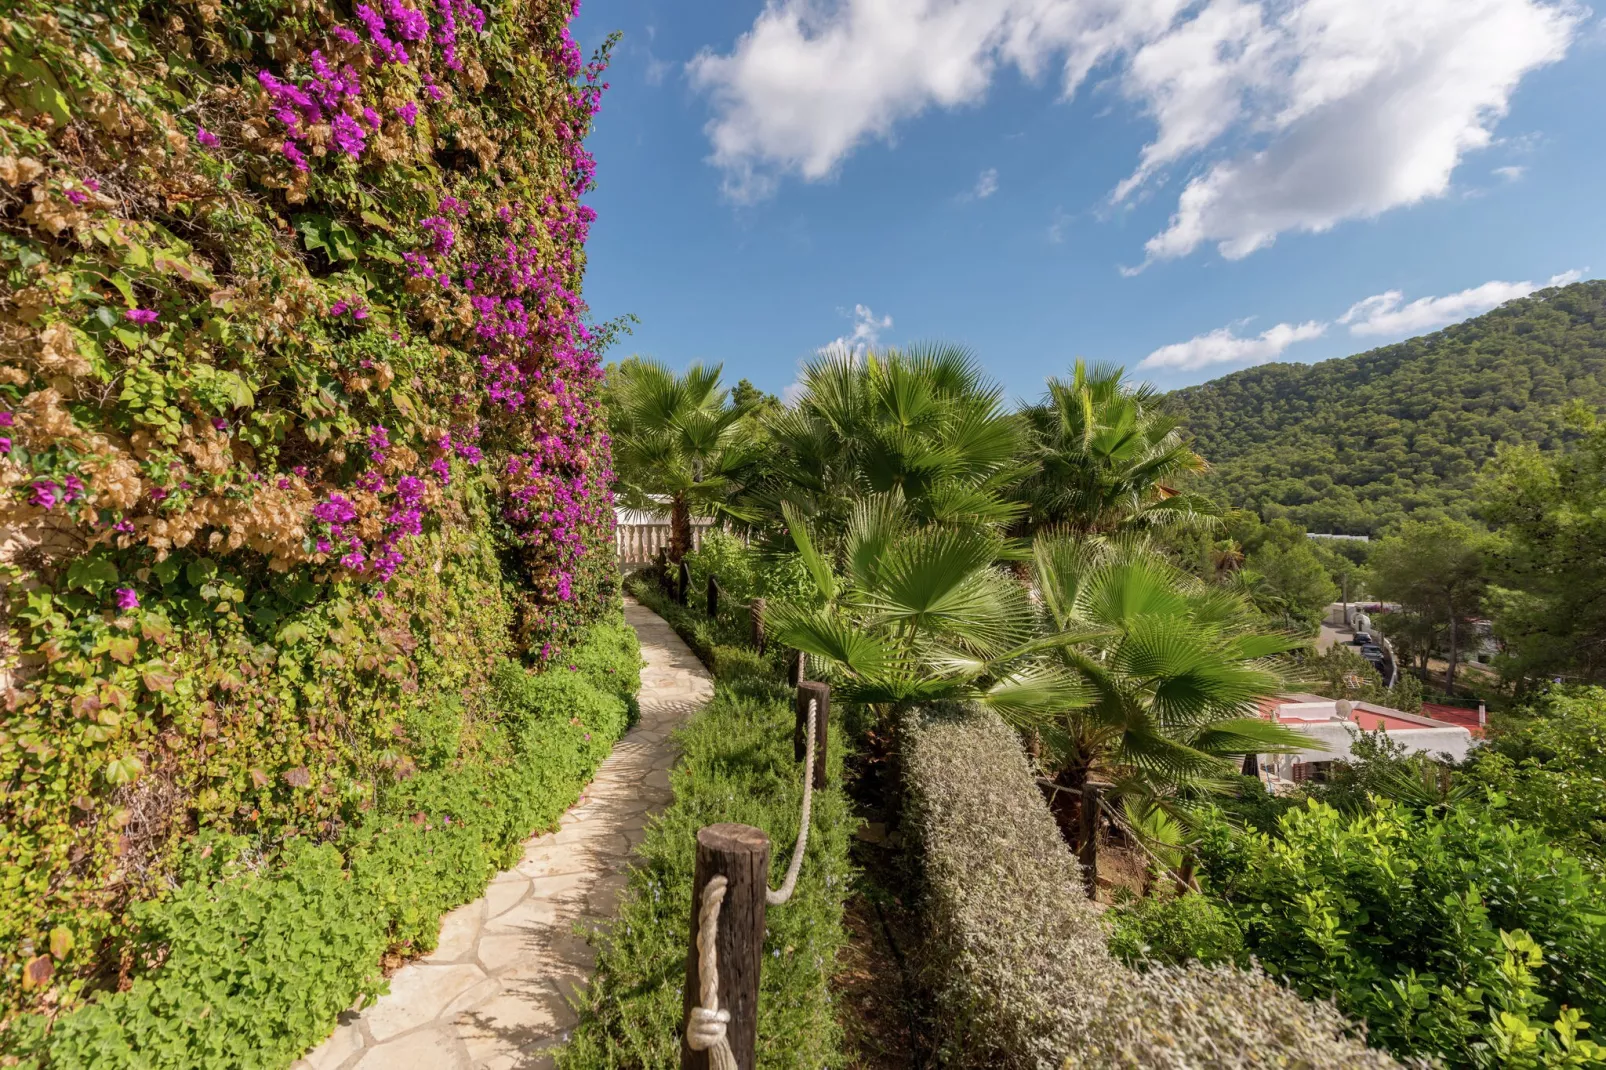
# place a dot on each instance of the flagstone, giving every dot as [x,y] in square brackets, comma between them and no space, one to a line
[497,991]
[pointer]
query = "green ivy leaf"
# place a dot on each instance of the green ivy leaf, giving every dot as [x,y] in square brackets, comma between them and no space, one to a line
[123,650]
[91,574]
[200,571]
[292,634]
[123,770]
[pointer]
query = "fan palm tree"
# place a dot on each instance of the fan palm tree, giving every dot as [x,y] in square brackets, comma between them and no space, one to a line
[676,439]
[1121,663]
[1107,457]
[924,423]
[1174,668]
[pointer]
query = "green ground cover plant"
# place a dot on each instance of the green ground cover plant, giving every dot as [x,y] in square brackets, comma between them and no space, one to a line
[247,964]
[738,766]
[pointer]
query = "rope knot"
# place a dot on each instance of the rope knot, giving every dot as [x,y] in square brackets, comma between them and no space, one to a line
[706,1028]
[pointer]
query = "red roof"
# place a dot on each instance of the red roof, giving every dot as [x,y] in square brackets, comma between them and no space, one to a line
[1460,715]
[1371,716]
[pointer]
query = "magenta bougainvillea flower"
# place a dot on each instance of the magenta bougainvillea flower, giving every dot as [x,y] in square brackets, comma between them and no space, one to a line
[206,138]
[126,598]
[143,316]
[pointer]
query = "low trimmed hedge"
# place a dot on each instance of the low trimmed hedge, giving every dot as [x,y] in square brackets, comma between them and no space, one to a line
[250,961]
[1017,956]
[738,766]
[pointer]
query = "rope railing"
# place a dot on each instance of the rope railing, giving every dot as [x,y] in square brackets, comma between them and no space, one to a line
[707,1023]
[706,1028]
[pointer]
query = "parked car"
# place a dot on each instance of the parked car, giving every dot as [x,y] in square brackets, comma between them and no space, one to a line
[1361,639]
[1372,652]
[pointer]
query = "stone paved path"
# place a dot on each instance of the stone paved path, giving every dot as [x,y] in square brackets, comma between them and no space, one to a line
[495,993]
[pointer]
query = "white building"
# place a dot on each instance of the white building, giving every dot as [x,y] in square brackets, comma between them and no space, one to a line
[1333,726]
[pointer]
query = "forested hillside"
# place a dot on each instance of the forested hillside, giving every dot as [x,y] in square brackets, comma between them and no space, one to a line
[1357,444]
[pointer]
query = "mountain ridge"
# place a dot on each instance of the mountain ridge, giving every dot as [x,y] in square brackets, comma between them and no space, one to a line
[1357,444]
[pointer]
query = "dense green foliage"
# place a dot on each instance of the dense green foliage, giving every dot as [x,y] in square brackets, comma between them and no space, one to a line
[738,766]
[246,965]
[1550,511]
[1452,932]
[1550,767]
[1017,954]
[1358,444]
[1436,571]
[277,494]
[1179,929]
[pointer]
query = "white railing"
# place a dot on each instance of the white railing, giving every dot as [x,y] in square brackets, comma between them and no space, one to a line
[637,544]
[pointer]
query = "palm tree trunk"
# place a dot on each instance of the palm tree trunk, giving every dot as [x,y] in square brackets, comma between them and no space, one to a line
[1066,803]
[679,528]
[1449,669]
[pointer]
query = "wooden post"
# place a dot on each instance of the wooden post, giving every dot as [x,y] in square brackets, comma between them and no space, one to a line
[685,583]
[741,854]
[821,694]
[713,595]
[1088,850]
[756,613]
[797,668]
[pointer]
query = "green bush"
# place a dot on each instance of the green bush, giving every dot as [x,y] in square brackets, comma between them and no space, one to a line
[785,578]
[1176,930]
[1551,769]
[248,962]
[738,766]
[727,558]
[1455,933]
[1017,956]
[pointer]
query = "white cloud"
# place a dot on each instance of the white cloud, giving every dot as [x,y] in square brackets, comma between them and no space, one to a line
[656,70]
[1332,109]
[1511,173]
[1222,346]
[867,328]
[1384,313]
[1058,226]
[986,185]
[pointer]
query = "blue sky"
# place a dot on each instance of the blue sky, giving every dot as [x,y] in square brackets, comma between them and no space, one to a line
[1183,188]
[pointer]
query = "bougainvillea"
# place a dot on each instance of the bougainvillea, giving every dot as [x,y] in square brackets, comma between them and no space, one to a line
[290,337]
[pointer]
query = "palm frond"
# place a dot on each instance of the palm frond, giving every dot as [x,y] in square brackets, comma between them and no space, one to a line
[819,568]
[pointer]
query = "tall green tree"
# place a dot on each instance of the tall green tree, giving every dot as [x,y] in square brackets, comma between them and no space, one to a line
[677,440]
[1289,583]
[925,423]
[1549,602]
[1438,570]
[1106,455]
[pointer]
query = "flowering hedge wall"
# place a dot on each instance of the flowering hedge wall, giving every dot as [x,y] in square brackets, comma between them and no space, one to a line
[299,430]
